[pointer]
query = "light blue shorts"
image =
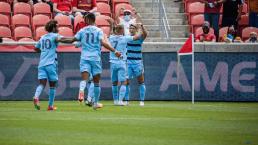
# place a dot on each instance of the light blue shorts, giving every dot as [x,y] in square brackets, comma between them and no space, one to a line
[118,72]
[92,67]
[135,70]
[48,72]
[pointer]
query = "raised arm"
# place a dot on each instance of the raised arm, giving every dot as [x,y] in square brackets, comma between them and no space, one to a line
[144,32]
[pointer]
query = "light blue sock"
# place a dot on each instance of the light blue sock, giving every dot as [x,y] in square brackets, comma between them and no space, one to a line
[90,90]
[96,93]
[39,89]
[127,93]
[115,93]
[142,91]
[122,92]
[83,85]
[52,93]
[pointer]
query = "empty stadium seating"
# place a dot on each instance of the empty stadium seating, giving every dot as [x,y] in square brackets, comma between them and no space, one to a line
[22,8]
[104,9]
[22,32]
[65,31]
[38,21]
[222,32]
[4,20]
[63,21]
[42,8]
[5,9]
[20,20]
[5,32]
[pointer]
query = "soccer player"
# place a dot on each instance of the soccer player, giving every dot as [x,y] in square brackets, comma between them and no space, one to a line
[134,61]
[118,66]
[47,68]
[91,38]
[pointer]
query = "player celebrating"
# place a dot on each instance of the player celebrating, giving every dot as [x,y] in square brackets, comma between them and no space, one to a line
[91,38]
[134,60]
[118,66]
[47,69]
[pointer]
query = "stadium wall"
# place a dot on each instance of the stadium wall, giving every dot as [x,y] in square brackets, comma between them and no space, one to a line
[221,74]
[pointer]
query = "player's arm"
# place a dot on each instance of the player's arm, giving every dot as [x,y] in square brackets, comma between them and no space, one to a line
[107,45]
[66,39]
[111,25]
[37,47]
[144,31]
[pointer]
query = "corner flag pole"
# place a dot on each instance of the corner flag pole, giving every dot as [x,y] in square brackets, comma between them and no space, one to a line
[193,69]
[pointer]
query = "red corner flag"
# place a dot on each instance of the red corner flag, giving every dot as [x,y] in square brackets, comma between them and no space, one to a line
[187,48]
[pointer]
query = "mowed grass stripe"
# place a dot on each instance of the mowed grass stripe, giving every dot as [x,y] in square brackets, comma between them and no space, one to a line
[165,123]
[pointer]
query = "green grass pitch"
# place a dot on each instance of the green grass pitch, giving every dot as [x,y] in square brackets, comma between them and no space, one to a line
[157,123]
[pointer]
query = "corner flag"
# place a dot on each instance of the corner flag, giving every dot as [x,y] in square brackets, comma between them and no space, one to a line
[187,49]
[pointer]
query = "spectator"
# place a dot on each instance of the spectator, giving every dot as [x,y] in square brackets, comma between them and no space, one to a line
[232,10]
[24,1]
[252,38]
[127,19]
[231,35]
[81,7]
[211,13]
[63,7]
[205,36]
[253,13]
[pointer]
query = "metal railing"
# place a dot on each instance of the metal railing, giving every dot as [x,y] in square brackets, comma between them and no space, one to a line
[163,19]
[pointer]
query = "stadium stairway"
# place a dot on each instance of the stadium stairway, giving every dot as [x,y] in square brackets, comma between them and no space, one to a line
[176,19]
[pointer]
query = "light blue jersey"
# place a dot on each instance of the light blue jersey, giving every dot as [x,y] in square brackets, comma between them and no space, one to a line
[119,42]
[90,38]
[48,45]
[134,51]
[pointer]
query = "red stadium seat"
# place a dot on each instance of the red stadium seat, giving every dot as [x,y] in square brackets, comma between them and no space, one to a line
[222,32]
[118,7]
[103,1]
[40,31]
[187,3]
[245,9]
[5,32]
[200,31]
[104,9]
[5,9]
[195,9]
[4,20]
[115,2]
[27,40]
[63,21]
[197,21]
[106,30]
[22,8]
[65,31]
[39,21]
[22,32]
[102,20]
[246,32]
[20,20]
[42,8]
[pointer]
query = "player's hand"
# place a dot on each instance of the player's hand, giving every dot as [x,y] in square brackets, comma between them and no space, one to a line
[118,54]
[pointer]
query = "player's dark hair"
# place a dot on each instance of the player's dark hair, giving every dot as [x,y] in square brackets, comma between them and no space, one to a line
[51,26]
[91,17]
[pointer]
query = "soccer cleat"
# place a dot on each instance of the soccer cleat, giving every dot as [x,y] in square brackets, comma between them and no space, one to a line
[51,108]
[141,103]
[36,103]
[121,103]
[126,103]
[116,102]
[88,103]
[97,106]
[81,96]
